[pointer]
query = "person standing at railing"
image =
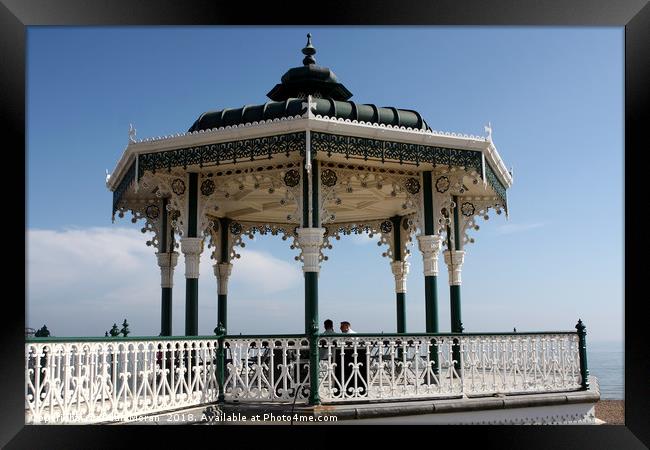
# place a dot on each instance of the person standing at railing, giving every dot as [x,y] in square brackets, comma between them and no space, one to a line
[345,328]
[329,327]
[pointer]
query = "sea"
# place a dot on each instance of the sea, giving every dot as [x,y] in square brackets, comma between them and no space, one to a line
[606,362]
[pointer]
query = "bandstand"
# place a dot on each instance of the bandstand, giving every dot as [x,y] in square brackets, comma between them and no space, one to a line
[310,165]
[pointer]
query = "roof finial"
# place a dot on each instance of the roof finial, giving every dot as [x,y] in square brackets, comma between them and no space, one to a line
[488,130]
[309,50]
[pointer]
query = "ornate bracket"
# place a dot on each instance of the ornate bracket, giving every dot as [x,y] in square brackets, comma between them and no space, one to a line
[384,228]
[149,210]
[238,230]
[446,185]
[173,185]
[473,207]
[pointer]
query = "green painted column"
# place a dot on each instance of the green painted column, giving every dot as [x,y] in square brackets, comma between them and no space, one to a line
[222,309]
[166,261]
[429,244]
[431,272]
[400,270]
[454,258]
[310,237]
[192,246]
[454,288]
[311,277]
[222,271]
[311,300]
[191,307]
[166,312]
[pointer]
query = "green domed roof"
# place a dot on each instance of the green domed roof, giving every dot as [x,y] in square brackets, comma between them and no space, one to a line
[292,107]
[330,96]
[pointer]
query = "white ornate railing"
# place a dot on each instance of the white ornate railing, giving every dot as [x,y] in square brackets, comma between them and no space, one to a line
[521,363]
[354,368]
[109,380]
[267,369]
[101,380]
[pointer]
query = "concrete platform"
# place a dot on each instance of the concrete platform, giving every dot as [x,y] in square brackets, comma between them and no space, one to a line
[548,408]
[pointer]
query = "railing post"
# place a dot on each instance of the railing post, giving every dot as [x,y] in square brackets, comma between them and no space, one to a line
[455,349]
[220,331]
[582,351]
[314,397]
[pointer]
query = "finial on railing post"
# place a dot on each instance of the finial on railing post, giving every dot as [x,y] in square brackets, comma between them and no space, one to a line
[582,352]
[220,330]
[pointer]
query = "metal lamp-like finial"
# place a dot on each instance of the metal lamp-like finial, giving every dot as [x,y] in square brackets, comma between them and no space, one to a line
[309,51]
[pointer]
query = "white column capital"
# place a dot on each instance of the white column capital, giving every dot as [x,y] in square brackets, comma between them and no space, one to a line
[192,248]
[222,271]
[430,245]
[310,240]
[400,271]
[167,262]
[454,260]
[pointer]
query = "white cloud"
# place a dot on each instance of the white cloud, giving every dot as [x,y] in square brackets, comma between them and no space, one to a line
[79,281]
[260,271]
[363,239]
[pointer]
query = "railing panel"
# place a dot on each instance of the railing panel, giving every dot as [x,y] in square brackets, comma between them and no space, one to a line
[510,364]
[267,369]
[393,367]
[372,368]
[85,382]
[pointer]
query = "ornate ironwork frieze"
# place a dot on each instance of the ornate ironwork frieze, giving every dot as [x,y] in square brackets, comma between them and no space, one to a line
[225,152]
[496,184]
[396,151]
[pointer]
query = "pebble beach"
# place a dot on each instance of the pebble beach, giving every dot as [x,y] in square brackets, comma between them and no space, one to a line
[611,411]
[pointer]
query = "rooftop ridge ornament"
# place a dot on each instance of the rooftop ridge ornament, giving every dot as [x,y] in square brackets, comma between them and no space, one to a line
[131,133]
[309,106]
[309,51]
[488,130]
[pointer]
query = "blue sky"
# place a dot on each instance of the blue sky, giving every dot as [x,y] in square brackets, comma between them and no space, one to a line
[554,97]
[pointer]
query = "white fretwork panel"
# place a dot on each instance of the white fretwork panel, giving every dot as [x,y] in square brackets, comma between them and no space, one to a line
[383,228]
[90,382]
[267,369]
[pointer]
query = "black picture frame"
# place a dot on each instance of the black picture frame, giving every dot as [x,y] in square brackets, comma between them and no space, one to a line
[634,15]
